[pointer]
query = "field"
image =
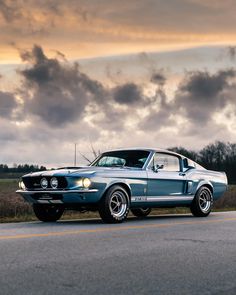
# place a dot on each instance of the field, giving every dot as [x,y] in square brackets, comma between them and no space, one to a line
[14,208]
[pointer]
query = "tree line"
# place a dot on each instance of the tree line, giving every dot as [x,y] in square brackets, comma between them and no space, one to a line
[219,156]
[25,168]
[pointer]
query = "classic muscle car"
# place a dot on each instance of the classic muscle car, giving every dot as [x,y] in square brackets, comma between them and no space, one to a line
[137,179]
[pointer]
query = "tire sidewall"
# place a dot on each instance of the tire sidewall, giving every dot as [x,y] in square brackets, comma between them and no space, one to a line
[104,208]
[43,213]
[141,212]
[196,208]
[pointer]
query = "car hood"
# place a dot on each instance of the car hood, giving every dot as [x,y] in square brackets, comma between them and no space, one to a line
[82,171]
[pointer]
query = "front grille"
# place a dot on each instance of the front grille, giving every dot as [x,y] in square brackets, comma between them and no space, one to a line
[33,182]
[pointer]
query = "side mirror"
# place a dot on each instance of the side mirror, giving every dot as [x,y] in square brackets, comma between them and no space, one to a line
[188,164]
[191,167]
[157,167]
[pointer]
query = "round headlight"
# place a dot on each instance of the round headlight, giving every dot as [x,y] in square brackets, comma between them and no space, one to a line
[54,183]
[44,183]
[86,182]
[22,185]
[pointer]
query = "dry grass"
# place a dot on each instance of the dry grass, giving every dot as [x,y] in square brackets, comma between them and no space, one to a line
[13,208]
[228,201]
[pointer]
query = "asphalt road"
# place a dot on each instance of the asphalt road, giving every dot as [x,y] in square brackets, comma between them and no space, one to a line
[176,254]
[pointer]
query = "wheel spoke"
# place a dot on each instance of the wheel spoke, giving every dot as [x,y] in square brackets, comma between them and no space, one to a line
[205,201]
[114,206]
[118,204]
[116,198]
[116,209]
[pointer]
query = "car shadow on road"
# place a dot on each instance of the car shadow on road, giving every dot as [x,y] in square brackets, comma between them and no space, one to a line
[129,220]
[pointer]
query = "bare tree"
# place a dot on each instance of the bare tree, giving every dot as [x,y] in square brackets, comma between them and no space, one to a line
[94,153]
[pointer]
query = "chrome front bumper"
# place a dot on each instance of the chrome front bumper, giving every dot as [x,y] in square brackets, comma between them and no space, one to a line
[78,196]
[56,191]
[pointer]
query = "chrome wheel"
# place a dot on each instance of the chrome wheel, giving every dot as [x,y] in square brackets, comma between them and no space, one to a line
[114,206]
[118,204]
[205,200]
[202,202]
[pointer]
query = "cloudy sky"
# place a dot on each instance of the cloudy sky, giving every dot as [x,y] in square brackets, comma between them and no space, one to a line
[114,74]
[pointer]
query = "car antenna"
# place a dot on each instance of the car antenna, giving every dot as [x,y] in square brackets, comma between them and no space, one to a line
[75,158]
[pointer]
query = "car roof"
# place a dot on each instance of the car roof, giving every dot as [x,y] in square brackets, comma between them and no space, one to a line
[145,149]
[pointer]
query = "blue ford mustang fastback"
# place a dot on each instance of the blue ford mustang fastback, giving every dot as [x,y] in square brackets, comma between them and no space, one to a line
[137,179]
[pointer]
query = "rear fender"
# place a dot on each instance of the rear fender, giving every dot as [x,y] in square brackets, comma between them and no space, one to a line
[207,184]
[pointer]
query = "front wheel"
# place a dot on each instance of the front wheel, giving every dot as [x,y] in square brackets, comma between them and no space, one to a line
[141,212]
[202,202]
[114,206]
[48,213]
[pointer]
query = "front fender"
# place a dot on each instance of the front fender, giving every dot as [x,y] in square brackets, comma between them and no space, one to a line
[123,183]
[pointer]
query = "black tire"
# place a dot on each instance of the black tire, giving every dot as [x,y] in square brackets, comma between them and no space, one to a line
[141,212]
[114,206]
[48,213]
[202,202]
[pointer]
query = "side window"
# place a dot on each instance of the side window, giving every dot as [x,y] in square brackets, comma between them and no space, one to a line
[168,162]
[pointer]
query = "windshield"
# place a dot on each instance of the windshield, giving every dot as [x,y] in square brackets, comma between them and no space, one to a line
[127,158]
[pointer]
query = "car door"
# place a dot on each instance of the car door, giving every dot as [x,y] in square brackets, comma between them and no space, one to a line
[165,179]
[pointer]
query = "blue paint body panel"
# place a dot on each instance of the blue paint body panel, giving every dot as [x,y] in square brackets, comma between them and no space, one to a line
[146,187]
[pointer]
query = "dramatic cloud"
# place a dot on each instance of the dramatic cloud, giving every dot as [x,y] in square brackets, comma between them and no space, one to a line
[205,86]
[56,92]
[128,94]
[202,94]
[231,52]
[158,79]
[199,98]
[7,11]
[7,104]
[160,115]
[58,104]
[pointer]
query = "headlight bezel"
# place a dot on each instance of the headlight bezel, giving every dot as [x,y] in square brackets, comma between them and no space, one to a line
[44,183]
[54,183]
[83,182]
[86,182]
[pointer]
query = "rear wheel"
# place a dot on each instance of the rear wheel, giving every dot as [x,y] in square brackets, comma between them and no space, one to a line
[202,202]
[141,212]
[48,213]
[114,206]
